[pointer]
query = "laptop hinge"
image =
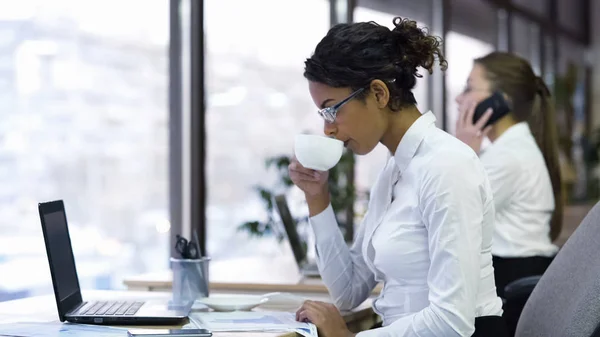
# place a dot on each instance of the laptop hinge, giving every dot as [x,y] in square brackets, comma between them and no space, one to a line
[76,309]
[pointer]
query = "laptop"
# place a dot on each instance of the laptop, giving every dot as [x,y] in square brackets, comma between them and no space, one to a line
[71,306]
[306,268]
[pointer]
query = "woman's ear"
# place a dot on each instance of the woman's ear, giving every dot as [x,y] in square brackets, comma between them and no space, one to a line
[381,92]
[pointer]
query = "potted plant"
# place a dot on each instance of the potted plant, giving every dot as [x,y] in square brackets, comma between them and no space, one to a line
[341,187]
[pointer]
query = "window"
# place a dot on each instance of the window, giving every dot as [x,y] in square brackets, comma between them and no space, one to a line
[539,7]
[526,41]
[473,33]
[535,48]
[569,90]
[520,36]
[368,167]
[461,50]
[257,99]
[84,119]
[367,10]
[477,19]
[569,52]
[571,15]
[549,60]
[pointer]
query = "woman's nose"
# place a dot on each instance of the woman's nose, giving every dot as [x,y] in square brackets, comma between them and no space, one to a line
[329,129]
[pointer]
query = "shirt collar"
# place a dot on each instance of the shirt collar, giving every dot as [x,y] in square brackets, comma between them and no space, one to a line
[412,139]
[518,130]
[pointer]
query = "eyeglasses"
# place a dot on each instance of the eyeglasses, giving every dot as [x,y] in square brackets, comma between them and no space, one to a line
[329,113]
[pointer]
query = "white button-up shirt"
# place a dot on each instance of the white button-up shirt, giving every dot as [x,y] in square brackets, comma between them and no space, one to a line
[523,195]
[427,236]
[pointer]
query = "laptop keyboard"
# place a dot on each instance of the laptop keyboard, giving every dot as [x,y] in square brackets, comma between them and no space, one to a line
[108,309]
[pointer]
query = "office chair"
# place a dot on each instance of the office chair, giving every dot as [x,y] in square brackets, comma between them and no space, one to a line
[516,295]
[565,301]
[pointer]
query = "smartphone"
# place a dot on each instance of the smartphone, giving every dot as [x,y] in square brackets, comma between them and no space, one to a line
[168,332]
[499,107]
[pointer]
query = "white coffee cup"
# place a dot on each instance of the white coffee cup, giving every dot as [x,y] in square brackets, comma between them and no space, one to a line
[318,152]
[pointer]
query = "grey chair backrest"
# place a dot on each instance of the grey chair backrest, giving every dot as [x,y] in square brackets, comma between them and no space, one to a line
[566,301]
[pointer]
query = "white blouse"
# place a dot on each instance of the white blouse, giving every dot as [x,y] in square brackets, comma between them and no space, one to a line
[523,194]
[427,236]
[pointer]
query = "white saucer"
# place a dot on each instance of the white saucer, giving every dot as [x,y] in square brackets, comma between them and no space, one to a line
[226,302]
[282,301]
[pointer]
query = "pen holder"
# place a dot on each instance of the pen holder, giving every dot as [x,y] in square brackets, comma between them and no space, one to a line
[190,279]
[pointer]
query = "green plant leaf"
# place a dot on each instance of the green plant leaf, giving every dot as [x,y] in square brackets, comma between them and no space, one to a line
[266,196]
[280,162]
[252,227]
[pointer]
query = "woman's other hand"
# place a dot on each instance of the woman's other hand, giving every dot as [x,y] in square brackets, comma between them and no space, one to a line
[326,317]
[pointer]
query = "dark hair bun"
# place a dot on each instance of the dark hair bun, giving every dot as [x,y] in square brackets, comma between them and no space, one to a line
[416,48]
[354,54]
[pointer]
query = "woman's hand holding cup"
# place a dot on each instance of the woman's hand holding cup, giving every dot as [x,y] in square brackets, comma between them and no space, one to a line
[314,185]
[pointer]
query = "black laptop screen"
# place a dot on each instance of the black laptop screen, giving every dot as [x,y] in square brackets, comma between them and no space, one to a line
[289,225]
[61,254]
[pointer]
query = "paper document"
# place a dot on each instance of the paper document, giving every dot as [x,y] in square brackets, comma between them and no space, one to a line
[57,329]
[253,321]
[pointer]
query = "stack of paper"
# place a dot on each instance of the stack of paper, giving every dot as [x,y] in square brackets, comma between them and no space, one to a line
[253,321]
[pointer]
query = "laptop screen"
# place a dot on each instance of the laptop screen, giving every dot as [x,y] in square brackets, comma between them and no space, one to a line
[61,254]
[290,228]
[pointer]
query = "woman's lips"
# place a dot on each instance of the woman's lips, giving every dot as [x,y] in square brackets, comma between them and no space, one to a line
[346,143]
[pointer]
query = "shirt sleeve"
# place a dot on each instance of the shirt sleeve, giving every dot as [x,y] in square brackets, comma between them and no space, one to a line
[343,269]
[452,205]
[502,172]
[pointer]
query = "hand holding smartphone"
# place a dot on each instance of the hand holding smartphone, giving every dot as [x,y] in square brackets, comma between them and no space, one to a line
[498,105]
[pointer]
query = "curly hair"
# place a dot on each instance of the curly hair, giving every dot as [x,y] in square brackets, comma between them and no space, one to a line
[353,55]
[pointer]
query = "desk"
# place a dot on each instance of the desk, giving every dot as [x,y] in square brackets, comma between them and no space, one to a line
[244,274]
[281,273]
[42,309]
